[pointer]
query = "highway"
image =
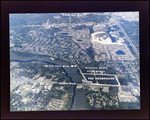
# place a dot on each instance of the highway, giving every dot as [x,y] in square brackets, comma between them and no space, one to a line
[136,51]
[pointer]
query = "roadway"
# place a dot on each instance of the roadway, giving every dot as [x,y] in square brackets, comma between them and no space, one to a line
[136,51]
[69,83]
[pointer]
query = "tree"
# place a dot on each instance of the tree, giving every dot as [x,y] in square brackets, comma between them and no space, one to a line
[111,70]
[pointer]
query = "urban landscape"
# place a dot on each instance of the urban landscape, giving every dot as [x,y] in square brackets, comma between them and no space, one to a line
[74,61]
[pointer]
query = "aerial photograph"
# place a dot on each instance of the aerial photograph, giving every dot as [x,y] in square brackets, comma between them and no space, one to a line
[74,61]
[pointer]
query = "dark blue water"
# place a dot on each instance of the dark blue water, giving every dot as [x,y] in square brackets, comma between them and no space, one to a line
[120,52]
[64,33]
[112,38]
[79,40]
[66,74]
[73,97]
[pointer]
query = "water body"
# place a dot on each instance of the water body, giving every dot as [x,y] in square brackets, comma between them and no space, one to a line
[80,100]
[64,33]
[79,40]
[120,52]
[112,38]
[73,97]
[72,72]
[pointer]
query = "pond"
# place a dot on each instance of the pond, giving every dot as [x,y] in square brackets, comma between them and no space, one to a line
[79,40]
[120,52]
[64,33]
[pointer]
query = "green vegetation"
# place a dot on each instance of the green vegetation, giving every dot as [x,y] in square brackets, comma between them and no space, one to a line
[132,33]
[121,34]
[131,48]
[36,96]
[42,108]
[13,107]
[111,70]
[68,105]
[123,79]
[116,27]
[126,105]
[50,31]
[79,27]
[30,94]
[97,18]
[88,105]
[113,91]
[15,96]
[58,94]
[26,54]
[67,87]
